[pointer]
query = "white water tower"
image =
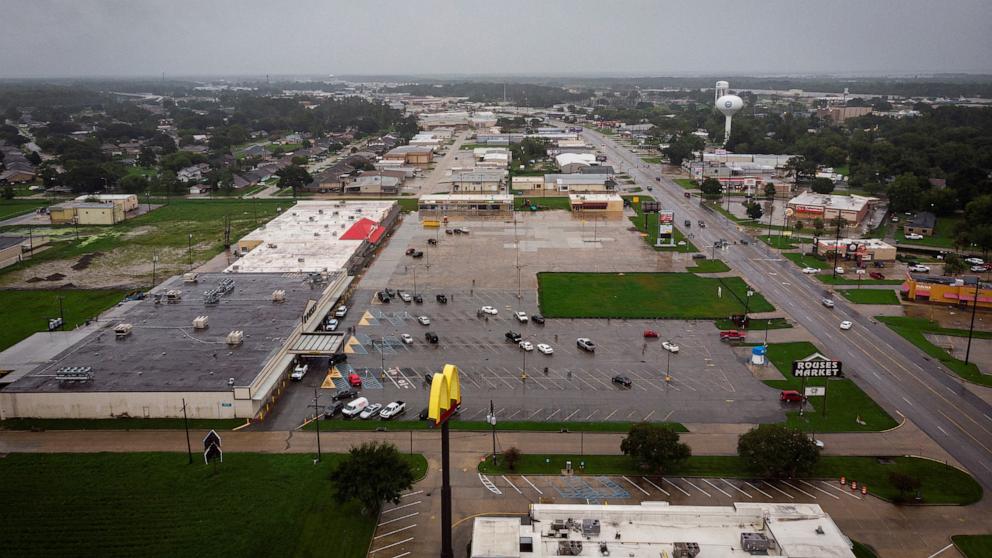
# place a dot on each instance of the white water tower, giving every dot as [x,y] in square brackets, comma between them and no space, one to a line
[722,88]
[729,105]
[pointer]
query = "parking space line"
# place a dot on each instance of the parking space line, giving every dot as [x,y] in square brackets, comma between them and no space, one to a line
[408,494]
[500,411]
[814,487]
[646,493]
[784,493]
[408,381]
[468,377]
[402,555]
[553,414]
[767,495]
[391,379]
[404,541]
[533,378]
[534,413]
[508,384]
[696,487]
[513,486]
[660,489]
[842,491]
[725,493]
[645,419]
[679,488]
[532,485]
[514,414]
[800,490]
[401,518]
[591,414]
[611,414]
[401,529]
[584,382]
[732,485]
[630,414]
[571,415]
[403,506]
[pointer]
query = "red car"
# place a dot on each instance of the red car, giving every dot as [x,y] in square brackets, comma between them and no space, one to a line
[354,380]
[729,336]
[791,396]
[876,275]
[650,334]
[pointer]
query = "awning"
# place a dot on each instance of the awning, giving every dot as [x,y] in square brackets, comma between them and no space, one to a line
[317,343]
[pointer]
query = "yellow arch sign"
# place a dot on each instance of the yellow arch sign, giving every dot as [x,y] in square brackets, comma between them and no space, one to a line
[446,395]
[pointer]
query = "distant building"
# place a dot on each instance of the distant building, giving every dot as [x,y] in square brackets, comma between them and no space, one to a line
[838,115]
[479,181]
[858,250]
[411,155]
[809,206]
[528,185]
[128,202]
[439,206]
[596,206]
[922,223]
[374,183]
[10,250]
[959,291]
[86,213]
[578,183]
[570,163]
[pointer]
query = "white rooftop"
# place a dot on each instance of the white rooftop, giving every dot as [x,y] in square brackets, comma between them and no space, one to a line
[306,237]
[651,529]
[843,203]
[872,243]
[595,197]
[571,158]
[436,198]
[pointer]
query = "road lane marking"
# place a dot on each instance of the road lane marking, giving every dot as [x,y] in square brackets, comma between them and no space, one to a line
[570,416]
[679,488]
[534,413]
[408,494]
[645,419]
[908,401]
[696,487]
[660,489]
[553,414]
[532,485]
[513,486]
[611,414]
[841,490]
[400,530]
[403,506]
[727,494]
[941,550]
[402,555]
[400,518]
[942,430]
[646,493]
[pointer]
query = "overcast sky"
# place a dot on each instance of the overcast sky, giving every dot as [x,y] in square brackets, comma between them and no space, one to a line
[236,37]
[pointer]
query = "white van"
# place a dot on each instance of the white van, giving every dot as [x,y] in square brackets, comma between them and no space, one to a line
[299,372]
[354,407]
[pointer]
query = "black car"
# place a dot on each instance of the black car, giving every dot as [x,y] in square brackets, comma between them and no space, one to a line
[537,319]
[334,410]
[622,380]
[390,292]
[337,358]
[346,394]
[443,299]
[383,297]
[699,256]
[423,414]
[429,377]
[418,299]
[418,254]
[513,336]
[432,241]
[431,337]
[449,231]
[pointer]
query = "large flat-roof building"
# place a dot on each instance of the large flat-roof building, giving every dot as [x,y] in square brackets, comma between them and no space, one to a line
[479,180]
[809,206]
[860,250]
[435,207]
[654,529]
[959,291]
[596,206]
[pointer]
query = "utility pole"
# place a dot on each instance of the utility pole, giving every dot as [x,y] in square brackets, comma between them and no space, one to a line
[491,419]
[154,269]
[971,328]
[316,419]
[837,222]
[190,250]
[189,448]
[62,315]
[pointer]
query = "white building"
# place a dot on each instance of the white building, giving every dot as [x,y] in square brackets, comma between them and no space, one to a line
[654,529]
[570,163]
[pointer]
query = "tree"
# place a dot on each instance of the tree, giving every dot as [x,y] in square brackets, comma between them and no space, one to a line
[511,456]
[777,451]
[954,264]
[654,447]
[818,227]
[34,158]
[146,157]
[754,210]
[712,189]
[769,190]
[293,176]
[133,184]
[905,193]
[8,192]
[905,484]
[822,185]
[798,226]
[371,474]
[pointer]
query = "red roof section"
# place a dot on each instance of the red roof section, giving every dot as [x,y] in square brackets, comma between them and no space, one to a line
[364,229]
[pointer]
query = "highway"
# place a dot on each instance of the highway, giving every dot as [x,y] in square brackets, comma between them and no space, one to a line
[900,377]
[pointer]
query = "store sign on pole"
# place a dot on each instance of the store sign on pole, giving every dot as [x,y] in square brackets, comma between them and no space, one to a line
[816,391]
[817,368]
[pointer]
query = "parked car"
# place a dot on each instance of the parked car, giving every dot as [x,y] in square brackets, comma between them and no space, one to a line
[586,344]
[333,410]
[393,409]
[299,372]
[919,268]
[461,230]
[839,270]
[622,380]
[431,337]
[974,261]
[370,411]
[527,346]
[344,394]
[423,413]
[431,242]
[829,303]
[537,319]
[980,268]
[383,297]
[449,231]
[405,296]
[876,275]
[424,320]
[912,236]
[513,336]
[687,223]
[733,335]
[489,310]
[669,346]
[701,224]
[417,254]
[354,407]
[699,256]
[418,299]
[406,338]
[790,396]
[341,312]
[337,358]
[845,325]
[410,251]
[810,270]
[442,299]
[521,317]
[331,325]
[544,348]
[354,380]
[650,334]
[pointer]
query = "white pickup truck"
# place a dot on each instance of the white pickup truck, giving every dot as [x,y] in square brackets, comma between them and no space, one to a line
[393,409]
[299,372]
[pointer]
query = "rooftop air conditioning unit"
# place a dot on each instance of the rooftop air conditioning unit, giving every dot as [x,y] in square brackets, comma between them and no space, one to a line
[189,277]
[278,295]
[200,322]
[236,337]
[300,260]
[754,542]
[321,211]
[316,233]
[173,295]
[310,218]
[590,527]
[123,330]
[685,550]
[272,245]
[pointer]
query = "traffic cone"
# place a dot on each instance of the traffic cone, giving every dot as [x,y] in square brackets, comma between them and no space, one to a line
[854,485]
[843,480]
[864,489]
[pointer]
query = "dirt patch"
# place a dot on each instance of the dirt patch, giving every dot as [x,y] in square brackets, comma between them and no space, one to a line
[949,316]
[126,269]
[138,231]
[55,277]
[85,261]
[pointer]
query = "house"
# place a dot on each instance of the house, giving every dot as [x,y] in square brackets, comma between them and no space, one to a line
[923,223]
[17,176]
[192,173]
[10,249]
[255,151]
[479,181]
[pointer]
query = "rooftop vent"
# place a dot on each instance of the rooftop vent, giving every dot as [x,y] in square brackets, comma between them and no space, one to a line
[189,277]
[278,295]
[685,550]
[173,296]
[74,374]
[123,330]
[200,322]
[236,337]
[754,542]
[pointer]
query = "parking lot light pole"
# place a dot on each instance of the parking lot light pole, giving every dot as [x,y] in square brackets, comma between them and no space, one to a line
[491,419]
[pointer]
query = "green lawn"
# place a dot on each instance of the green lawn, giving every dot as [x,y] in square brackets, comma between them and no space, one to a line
[754,324]
[779,241]
[652,160]
[644,295]
[117,424]
[913,329]
[286,148]
[482,426]
[708,266]
[27,312]
[806,260]
[870,296]
[649,228]
[845,401]
[687,183]
[863,551]
[974,546]
[13,208]
[943,234]
[940,484]
[849,280]
[155,504]
[542,203]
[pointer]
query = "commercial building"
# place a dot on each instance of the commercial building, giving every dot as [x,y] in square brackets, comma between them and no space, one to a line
[859,250]
[374,184]
[570,163]
[809,206]
[86,213]
[316,236]
[596,206]
[923,223]
[410,155]
[837,115]
[457,120]
[564,183]
[436,207]
[10,250]
[959,291]
[128,202]
[479,181]
[654,529]
[531,185]
[498,139]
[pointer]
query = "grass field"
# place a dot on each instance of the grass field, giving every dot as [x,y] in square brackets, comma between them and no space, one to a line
[651,229]
[940,484]
[27,312]
[943,234]
[652,160]
[845,402]
[708,266]
[550,202]
[973,546]
[779,241]
[117,424]
[13,208]
[913,329]
[754,324]
[848,280]
[644,295]
[806,260]
[155,504]
[870,296]
[686,183]
[478,425]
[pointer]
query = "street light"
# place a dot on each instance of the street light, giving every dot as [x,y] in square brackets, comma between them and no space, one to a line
[190,250]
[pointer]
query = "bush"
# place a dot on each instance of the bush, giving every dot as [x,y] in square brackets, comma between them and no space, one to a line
[776,451]
[511,456]
[655,447]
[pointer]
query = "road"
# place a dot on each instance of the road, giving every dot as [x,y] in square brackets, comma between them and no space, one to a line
[892,371]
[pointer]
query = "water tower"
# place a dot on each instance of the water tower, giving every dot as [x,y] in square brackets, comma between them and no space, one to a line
[729,105]
[722,88]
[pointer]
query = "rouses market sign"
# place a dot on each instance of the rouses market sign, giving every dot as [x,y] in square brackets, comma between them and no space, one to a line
[816,368]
